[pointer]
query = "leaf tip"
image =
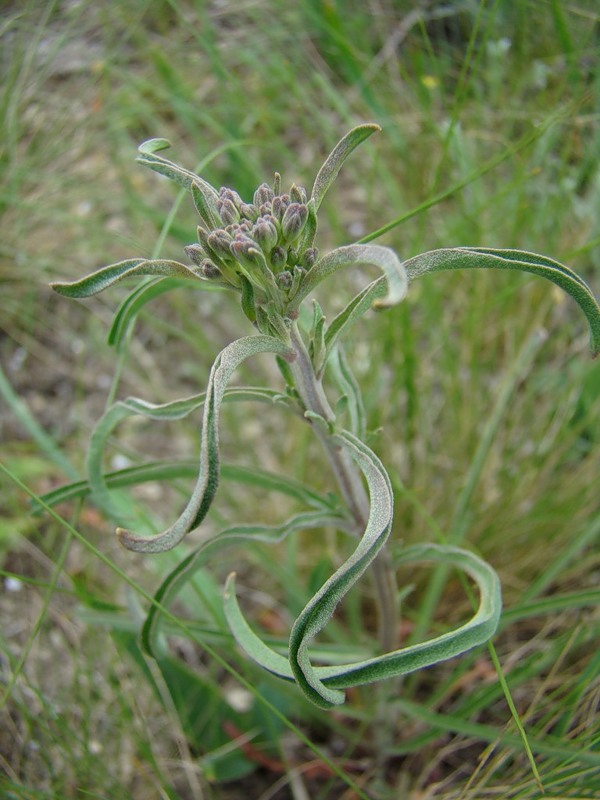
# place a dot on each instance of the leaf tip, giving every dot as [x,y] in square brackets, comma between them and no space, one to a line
[153,145]
[229,588]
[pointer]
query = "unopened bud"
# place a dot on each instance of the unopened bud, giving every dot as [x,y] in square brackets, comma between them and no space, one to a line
[293,221]
[249,211]
[244,250]
[297,194]
[284,279]
[277,184]
[196,253]
[210,270]
[264,194]
[230,194]
[228,212]
[280,204]
[219,242]
[266,234]
[278,257]
[310,257]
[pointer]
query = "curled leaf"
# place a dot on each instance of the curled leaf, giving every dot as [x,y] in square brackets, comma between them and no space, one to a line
[476,631]
[487,257]
[319,610]
[170,170]
[208,477]
[382,257]
[328,172]
[238,534]
[135,406]
[133,303]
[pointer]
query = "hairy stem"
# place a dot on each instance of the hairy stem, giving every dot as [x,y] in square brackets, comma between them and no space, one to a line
[351,486]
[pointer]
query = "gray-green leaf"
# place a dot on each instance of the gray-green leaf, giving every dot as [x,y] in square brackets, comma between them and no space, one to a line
[486,257]
[382,257]
[208,477]
[107,276]
[328,172]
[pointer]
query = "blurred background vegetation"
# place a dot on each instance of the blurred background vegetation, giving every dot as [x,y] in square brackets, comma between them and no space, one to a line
[480,394]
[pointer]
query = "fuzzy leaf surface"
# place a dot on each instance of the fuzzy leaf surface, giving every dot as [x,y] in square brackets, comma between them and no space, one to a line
[479,629]
[328,172]
[485,257]
[135,406]
[208,476]
[239,534]
[369,254]
[107,276]
[163,166]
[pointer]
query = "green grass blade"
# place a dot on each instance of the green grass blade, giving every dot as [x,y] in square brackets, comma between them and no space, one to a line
[189,633]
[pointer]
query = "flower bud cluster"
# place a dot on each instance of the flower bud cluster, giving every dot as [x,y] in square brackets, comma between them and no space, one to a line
[260,242]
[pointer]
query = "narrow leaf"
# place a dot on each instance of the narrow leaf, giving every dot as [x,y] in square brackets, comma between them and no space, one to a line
[348,385]
[107,276]
[319,610]
[328,172]
[173,171]
[206,485]
[153,145]
[206,204]
[238,534]
[132,406]
[170,470]
[382,257]
[473,633]
[484,257]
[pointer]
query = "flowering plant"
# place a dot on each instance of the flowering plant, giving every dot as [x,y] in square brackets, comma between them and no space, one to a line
[265,251]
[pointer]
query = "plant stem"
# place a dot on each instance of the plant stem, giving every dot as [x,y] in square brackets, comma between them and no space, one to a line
[350,482]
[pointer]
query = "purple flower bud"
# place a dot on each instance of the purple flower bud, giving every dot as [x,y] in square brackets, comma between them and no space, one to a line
[210,270]
[249,211]
[280,203]
[266,234]
[228,212]
[293,221]
[241,248]
[195,253]
[284,279]
[230,194]
[264,194]
[310,257]
[297,194]
[278,257]
[219,242]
